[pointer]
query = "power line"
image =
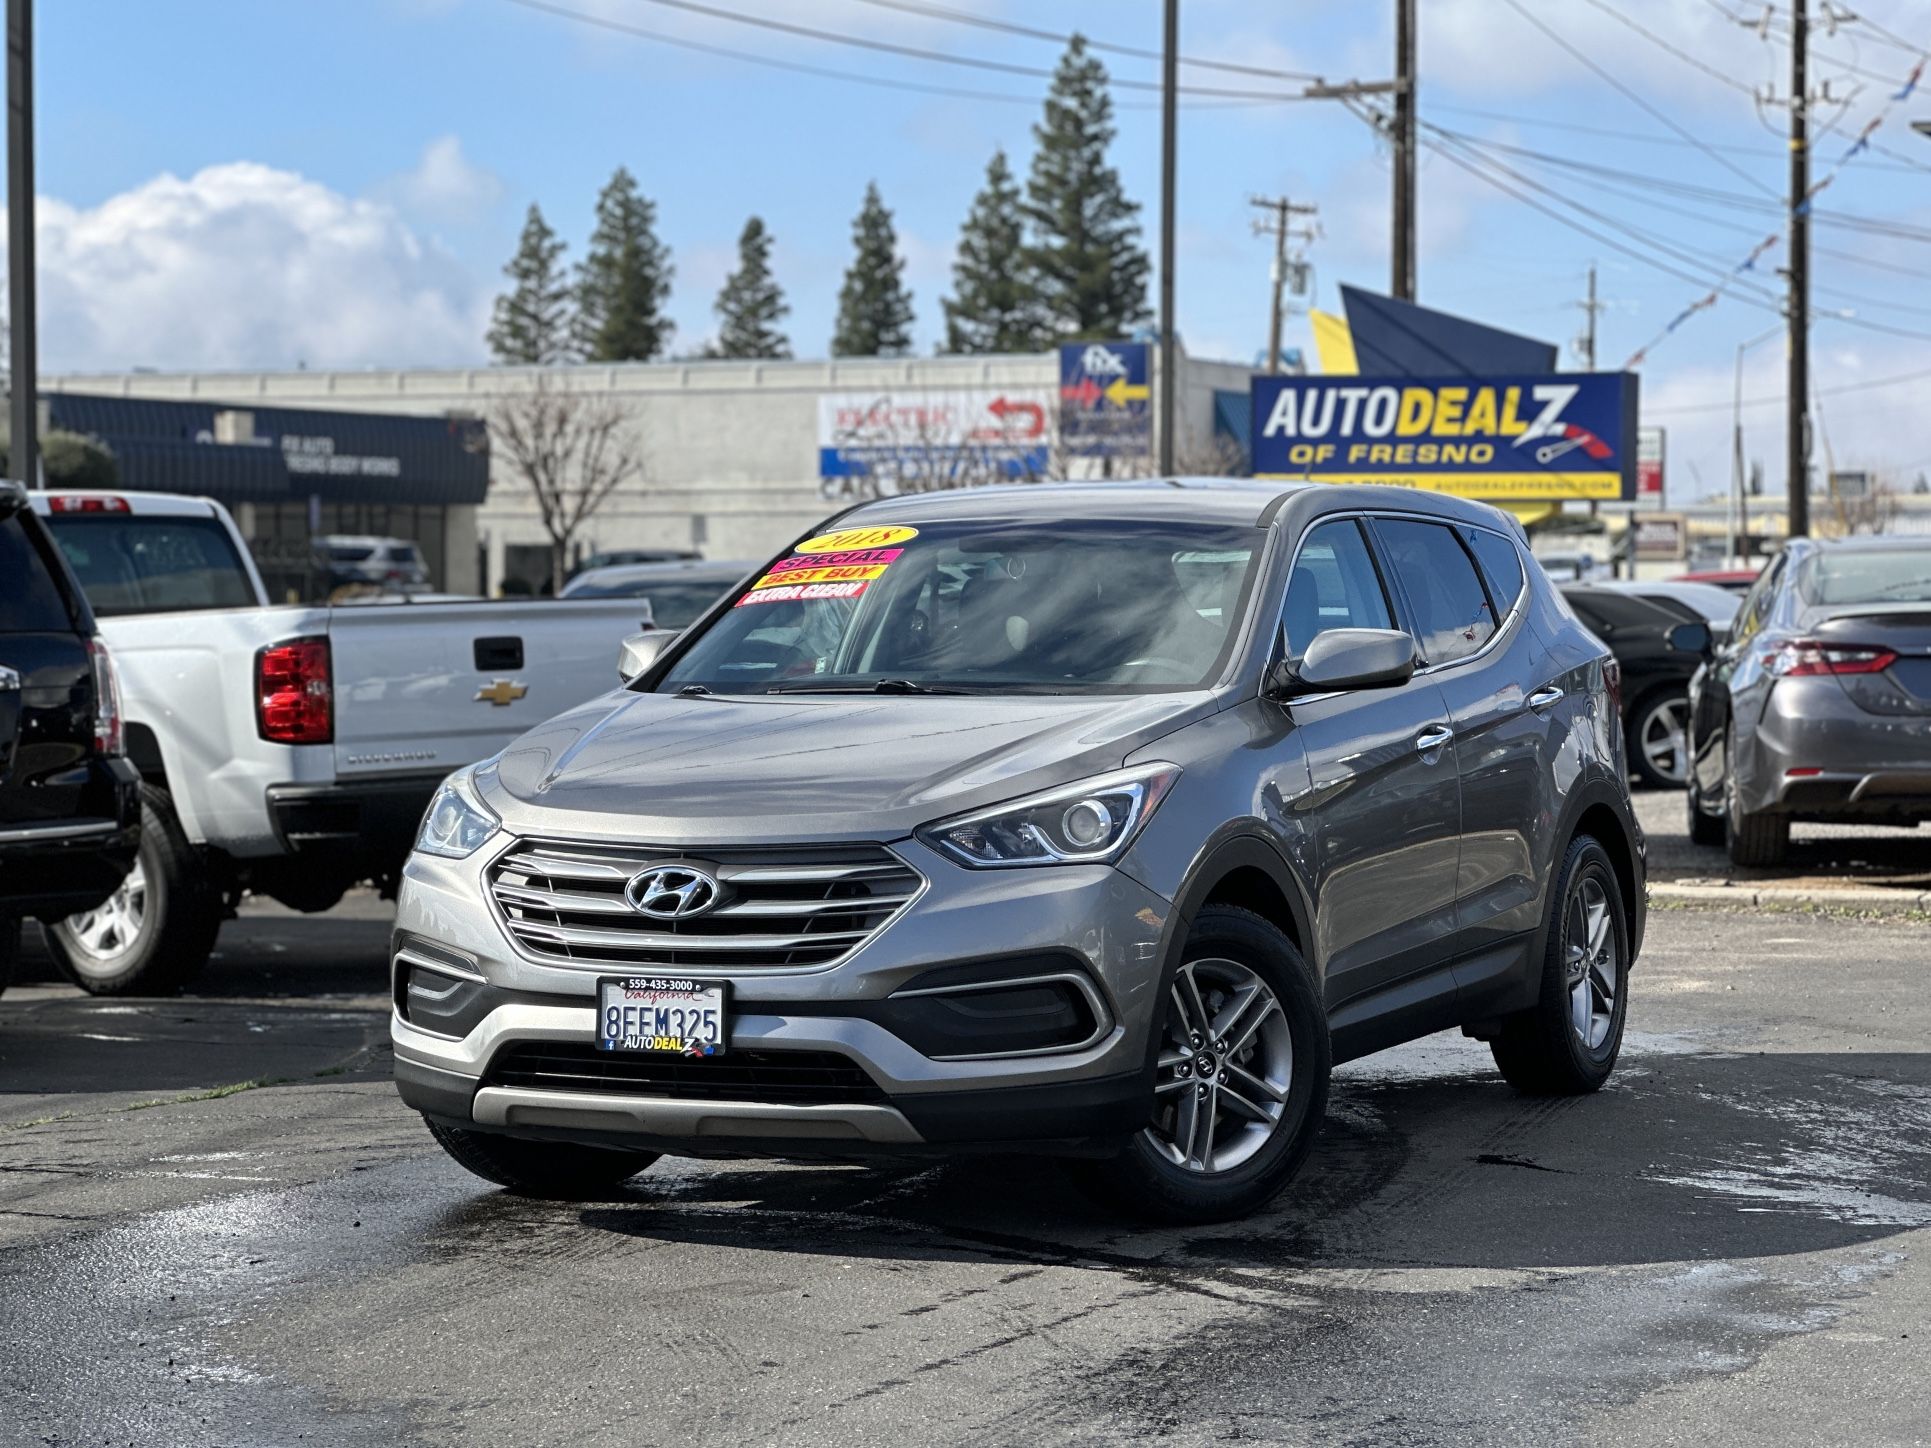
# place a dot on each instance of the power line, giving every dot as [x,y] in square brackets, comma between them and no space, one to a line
[1007,27]
[1535,20]
[823,72]
[940,57]
[1896,380]
[1683,55]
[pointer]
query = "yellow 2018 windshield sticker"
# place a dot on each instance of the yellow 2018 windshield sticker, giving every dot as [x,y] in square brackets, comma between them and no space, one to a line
[846,540]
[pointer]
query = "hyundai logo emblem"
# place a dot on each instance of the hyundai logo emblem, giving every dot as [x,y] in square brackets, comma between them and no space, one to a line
[671,892]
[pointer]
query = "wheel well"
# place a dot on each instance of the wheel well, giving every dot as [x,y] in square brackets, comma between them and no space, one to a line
[144,753]
[1251,888]
[1600,821]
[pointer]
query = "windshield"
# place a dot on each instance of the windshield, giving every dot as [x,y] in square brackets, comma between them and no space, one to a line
[1074,606]
[1878,575]
[129,564]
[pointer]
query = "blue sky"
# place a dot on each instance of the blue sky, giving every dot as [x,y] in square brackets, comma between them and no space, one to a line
[246,184]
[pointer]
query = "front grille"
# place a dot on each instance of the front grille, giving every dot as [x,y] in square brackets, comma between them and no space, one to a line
[777,908]
[799,1077]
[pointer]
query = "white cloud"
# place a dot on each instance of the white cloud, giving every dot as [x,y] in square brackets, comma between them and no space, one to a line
[444,185]
[242,265]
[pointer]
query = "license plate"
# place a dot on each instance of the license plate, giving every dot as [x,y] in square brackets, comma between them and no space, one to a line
[663,1014]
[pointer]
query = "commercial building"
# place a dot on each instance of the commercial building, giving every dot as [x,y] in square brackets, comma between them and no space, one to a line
[736,457]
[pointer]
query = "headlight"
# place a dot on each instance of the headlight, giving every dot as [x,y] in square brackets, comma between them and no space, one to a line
[1086,823]
[456,823]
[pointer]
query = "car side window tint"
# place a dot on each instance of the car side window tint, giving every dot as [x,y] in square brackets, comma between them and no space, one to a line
[30,601]
[1334,585]
[1756,603]
[1501,566]
[1452,614]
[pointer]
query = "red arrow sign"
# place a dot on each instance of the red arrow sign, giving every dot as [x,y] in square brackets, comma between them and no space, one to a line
[1003,408]
[1085,392]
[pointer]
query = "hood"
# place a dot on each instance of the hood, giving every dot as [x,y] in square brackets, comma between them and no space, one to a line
[727,770]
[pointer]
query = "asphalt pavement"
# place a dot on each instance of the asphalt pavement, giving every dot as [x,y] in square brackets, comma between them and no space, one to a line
[219,1226]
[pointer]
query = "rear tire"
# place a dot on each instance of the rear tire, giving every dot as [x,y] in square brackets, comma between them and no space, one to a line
[559,1169]
[1266,1045]
[1753,839]
[1566,1044]
[155,932]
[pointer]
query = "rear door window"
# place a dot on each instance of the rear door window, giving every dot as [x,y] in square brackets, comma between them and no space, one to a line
[1451,613]
[30,600]
[1334,585]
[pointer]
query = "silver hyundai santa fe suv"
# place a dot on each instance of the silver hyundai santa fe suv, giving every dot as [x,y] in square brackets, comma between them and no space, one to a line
[1097,820]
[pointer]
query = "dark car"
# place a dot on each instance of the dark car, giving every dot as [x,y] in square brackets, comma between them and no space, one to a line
[678,592]
[1818,705]
[1086,819]
[1656,678]
[70,806]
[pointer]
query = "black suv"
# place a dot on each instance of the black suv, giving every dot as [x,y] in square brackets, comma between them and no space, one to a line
[70,805]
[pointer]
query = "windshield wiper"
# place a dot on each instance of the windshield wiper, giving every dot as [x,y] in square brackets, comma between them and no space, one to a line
[880,686]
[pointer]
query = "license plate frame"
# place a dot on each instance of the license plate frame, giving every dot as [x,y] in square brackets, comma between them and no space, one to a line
[668,993]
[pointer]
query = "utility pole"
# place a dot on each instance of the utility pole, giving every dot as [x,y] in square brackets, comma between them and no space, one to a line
[24,451]
[1590,308]
[1797,403]
[1169,136]
[1404,144]
[1279,225]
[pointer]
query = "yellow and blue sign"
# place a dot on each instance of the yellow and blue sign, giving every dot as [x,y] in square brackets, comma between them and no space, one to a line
[1103,399]
[1552,436]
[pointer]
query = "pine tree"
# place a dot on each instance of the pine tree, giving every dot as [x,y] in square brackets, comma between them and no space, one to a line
[623,280]
[1086,255]
[750,305]
[996,306]
[532,324]
[874,308]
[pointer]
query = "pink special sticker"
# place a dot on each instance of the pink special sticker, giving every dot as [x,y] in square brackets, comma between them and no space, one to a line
[855,558]
[803,592]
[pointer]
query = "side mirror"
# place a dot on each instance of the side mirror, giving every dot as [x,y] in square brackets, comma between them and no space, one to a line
[1350,658]
[640,651]
[1692,638]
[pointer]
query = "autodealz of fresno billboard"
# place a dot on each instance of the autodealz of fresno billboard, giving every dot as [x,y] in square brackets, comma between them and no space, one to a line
[1558,435]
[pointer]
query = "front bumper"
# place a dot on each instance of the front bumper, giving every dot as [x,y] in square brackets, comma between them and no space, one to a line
[479,998]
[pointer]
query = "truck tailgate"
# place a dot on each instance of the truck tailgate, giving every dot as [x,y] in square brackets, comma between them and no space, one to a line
[421,688]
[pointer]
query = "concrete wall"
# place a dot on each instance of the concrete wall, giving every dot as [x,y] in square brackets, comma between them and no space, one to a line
[730,448]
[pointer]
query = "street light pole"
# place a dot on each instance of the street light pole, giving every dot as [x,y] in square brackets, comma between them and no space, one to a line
[1797,399]
[24,450]
[1739,492]
[1169,134]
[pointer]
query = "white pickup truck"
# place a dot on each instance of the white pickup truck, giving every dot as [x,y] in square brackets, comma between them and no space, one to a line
[288,750]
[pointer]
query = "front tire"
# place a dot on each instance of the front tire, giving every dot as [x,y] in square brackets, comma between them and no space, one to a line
[1241,1081]
[1705,828]
[154,933]
[558,1169]
[1566,1044]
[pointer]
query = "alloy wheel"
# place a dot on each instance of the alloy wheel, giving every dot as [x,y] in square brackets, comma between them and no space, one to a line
[1663,735]
[111,928]
[1591,957]
[1226,1066]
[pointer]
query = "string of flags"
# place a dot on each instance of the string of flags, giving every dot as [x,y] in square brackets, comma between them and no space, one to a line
[1803,207]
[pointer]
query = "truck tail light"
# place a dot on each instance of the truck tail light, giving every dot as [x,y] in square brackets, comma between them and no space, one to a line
[109,733]
[1803,658]
[295,692]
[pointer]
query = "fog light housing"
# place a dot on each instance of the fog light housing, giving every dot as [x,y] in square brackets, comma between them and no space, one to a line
[1023,1015]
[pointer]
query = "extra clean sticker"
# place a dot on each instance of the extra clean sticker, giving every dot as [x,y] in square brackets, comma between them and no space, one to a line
[832,565]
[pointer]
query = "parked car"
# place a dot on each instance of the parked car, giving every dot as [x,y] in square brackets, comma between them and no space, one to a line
[1656,678]
[1073,818]
[1692,601]
[286,750]
[1818,705]
[1736,580]
[616,557]
[678,593]
[1571,567]
[393,565]
[70,805]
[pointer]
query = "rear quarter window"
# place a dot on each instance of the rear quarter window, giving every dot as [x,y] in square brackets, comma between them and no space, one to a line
[1501,566]
[30,600]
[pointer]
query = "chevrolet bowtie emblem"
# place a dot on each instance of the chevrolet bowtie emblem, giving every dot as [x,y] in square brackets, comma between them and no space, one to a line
[501,692]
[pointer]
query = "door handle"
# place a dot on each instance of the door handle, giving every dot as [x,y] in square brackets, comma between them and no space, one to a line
[1544,698]
[1433,738]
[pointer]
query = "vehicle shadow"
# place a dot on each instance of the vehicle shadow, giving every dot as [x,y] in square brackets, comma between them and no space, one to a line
[1683,1158]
